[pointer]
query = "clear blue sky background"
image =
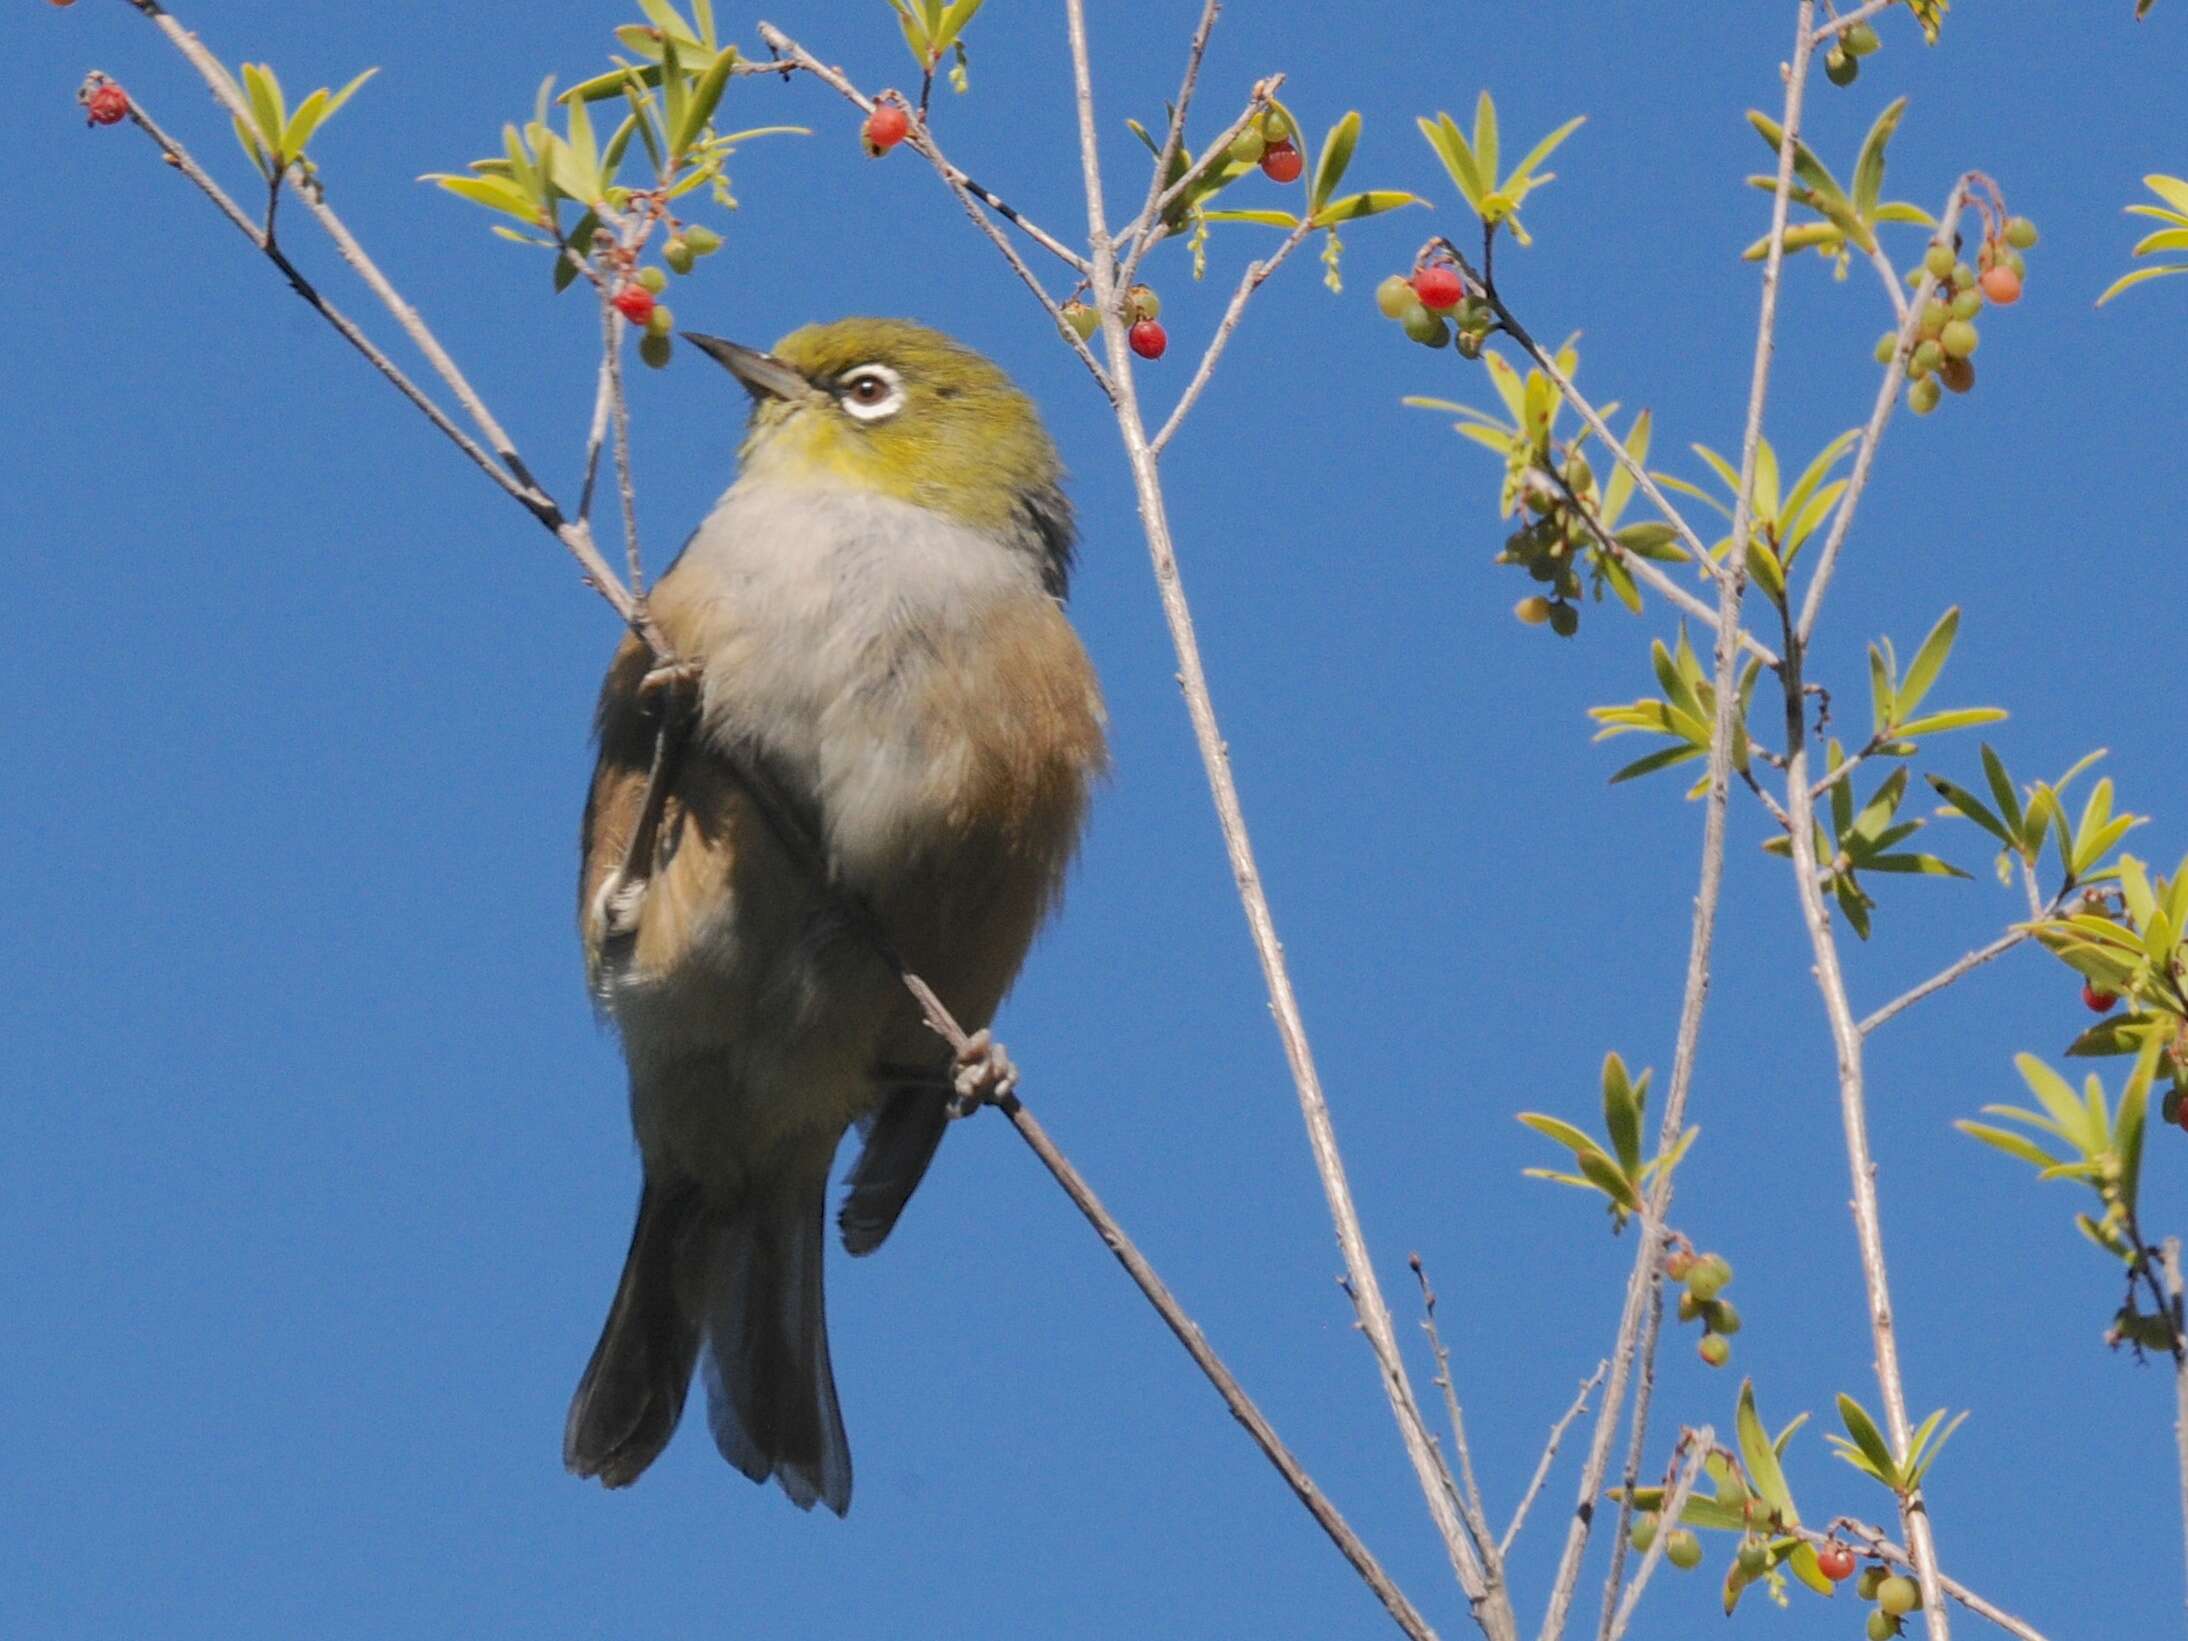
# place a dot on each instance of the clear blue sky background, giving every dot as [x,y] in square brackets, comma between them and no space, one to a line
[314,1172]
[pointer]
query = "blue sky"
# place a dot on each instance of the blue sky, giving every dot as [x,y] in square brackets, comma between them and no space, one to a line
[314,1172]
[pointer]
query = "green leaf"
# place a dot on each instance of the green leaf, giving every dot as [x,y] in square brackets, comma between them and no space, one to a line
[1622,1113]
[706,96]
[1524,172]
[2002,789]
[1485,137]
[2005,1139]
[665,18]
[1868,1439]
[1270,219]
[1760,1455]
[1329,171]
[1922,1451]
[2128,280]
[1663,759]
[1968,804]
[1939,722]
[267,112]
[1458,159]
[1869,169]
[954,19]
[1372,203]
[1575,1140]
[1929,660]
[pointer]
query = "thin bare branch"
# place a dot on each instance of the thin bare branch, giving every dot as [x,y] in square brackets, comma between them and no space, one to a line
[1943,978]
[1476,1516]
[1827,32]
[1174,138]
[1698,1444]
[1549,1457]
[1249,282]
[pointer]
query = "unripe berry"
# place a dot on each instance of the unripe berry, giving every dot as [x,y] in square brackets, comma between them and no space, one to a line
[2097,1002]
[1711,1275]
[885,127]
[1887,345]
[1967,304]
[1247,146]
[678,254]
[1898,1595]
[1148,339]
[1872,1579]
[1644,1532]
[2017,262]
[2020,233]
[1564,620]
[1083,320]
[703,241]
[1395,297]
[1861,40]
[1836,1562]
[1923,397]
[1926,357]
[1939,260]
[1534,612]
[1426,328]
[1715,1349]
[1280,162]
[1841,67]
[1881,1627]
[1141,302]
[661,321]
[1959,339]
[653,279]
[635,303]
[1439,287]
[1678,1262]
[2002,285]
[108,105]
[1963,276]
[1721,1316]
[1753,1557]
[1935,317]
[1683,1550]
[1274,127]
[655,350]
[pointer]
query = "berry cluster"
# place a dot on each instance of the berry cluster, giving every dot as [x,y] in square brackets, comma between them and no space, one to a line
[1267,142]
[1431,303]
[1550,544]
[1142,307]
[1842,63]
[1946,340]
[637,294]
[1895,1594]
[1706,1277]
[1682,1549]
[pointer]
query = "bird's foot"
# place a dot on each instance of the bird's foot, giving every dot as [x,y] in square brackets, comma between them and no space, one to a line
[984,1074]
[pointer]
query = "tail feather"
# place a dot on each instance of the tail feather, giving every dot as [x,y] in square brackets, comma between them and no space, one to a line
[771,1392]
[628,1403]
[900,1143]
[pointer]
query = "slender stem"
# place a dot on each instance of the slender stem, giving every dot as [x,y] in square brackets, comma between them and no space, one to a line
[1174,138]
[1476,1515]
[1492,1609]
[596,437]
[1549,1456]
[1642,1284]
[1249,282]
[1873,1541]
[1698,1444]
[1637,1438]
[1827,32]
[968,193]
[1943,978]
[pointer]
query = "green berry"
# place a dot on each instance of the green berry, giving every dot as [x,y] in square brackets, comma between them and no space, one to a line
[1722,1316]
[1246,147]
[1887,345]
[1963,277]
[1274,127]
[1840,67]
[1715,1350]
[1754,1556]
[1966,304]
[1927,357]
[2019,264]
[1881,1627]
[1959,339]
[1395,298]
[1141,302]
[703,241]
[2020,233]
[678,254]
[1683,1550]
[653,279]
[1426,328]
[660,322]
[1923,396]
[1861,40]
[1872,1576]
[1564,620]
[655,349]
[1897,1595]
[1083,320]
[1644,1530]
[1709,1277]
[1468,342]
[1939,260]
[1935,317]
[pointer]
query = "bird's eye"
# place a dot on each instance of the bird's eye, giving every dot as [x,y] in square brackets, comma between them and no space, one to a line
[872,392]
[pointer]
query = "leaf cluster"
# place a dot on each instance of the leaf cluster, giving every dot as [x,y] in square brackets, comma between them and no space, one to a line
[1864,1447]
[1473,162]
[1850,218]
[1618,1171]
[276,136]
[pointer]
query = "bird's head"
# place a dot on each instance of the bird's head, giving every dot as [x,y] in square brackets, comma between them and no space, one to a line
[894,407]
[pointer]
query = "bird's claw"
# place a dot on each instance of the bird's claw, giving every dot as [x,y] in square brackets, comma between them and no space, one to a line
[984,1074]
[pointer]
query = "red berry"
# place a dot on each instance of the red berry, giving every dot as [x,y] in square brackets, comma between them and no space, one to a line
[885,127]
[2001,284]
[1837,1562]
[1148,339]
[1280,161]
[1439,287]
[635,303]
[109,105]
[2099,1002]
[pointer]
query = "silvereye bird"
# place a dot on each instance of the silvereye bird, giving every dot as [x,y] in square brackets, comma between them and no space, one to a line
[875,614]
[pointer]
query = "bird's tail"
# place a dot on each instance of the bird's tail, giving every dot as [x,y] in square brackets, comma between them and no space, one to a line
[744,1283]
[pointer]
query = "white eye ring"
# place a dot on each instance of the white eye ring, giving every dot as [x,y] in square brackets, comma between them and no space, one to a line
[871,392]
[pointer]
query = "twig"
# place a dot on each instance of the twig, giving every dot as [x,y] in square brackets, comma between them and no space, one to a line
[1846,766]
[1145,231]
[1174,138]
[1492,1608]
[1699,1444]
[969,195]
[1476,1516]
[1249,282]
[1182,1325]
[1549,1456]
[1943,978]
[1827,32]
[621,411]
[1880,414]
[596,437]
[1873,1542]
[1647,1273]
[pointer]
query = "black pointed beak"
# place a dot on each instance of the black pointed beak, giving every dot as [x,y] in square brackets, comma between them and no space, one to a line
[764,376]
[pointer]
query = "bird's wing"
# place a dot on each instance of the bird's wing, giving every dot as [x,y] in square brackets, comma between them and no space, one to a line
[701,820]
